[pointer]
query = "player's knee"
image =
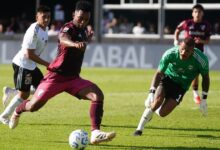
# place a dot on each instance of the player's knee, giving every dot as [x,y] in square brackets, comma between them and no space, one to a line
[99,96]
[161,113]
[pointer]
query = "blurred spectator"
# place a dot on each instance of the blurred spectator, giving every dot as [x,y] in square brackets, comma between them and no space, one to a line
[152,29]
[1,28]
[112,27]
[52,31]
[13,26]
[9,31]
[138,29]
[23,23]
[125,26]
[167,30]
[59,16]
[216,28]
[107,18]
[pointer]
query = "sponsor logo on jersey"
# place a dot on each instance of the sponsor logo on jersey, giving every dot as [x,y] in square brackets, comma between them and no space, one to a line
[65,29]
[202,27]
[191,27]
[196,33]
[190,67]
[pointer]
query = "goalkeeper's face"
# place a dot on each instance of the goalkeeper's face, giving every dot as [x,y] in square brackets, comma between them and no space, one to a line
[185,51]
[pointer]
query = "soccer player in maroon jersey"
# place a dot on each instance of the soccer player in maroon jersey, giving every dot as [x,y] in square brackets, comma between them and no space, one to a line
[200,30]
[64,74]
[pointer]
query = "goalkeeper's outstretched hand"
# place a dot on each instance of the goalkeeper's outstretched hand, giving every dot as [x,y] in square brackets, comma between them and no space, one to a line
[149,99]
[203,107]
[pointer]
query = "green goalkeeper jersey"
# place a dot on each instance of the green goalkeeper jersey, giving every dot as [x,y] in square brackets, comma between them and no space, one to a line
[183,71]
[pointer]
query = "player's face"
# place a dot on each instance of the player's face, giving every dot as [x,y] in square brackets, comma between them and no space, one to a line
[185,51]
[81,18]
[43,19]
[197,15]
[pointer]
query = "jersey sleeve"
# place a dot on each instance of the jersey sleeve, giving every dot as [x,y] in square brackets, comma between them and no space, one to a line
[182,25]
[67,30]
[208,32]
[204,66]
[30,39]
[164,62]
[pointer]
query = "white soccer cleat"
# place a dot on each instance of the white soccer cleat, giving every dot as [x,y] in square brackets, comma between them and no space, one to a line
[100,136]
[7,94]
[14,120]
[4,120]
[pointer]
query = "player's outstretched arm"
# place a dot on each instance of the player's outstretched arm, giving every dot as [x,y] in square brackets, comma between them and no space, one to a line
[31,55]
[205,89]
[155,82]
[65,40]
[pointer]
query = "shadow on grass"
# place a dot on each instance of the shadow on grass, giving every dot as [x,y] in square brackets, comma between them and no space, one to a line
[125,147]
[128,127]
[103,146]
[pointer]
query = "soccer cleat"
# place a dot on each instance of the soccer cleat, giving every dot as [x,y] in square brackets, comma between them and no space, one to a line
[4,120]
[137,133]
[100,136]
[14,120]
[7,94]
[197,100]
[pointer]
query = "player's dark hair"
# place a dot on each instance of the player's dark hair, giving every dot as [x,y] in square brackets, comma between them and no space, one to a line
[83,5]
[43,8]
[198,6]
[189,42]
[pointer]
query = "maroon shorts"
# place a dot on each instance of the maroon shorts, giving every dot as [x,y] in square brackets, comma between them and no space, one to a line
[53,84]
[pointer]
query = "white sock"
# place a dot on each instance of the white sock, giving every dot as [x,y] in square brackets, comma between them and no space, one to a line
[11,106]
[146,117]
[195,93]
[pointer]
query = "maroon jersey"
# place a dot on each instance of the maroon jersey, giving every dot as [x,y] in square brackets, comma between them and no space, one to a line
[69,60]
[195,30]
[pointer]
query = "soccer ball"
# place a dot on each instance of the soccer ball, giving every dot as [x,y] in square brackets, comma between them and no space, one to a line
[78,139]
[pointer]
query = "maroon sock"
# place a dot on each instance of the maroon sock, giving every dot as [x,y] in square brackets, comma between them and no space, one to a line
[96,113]
[21,108]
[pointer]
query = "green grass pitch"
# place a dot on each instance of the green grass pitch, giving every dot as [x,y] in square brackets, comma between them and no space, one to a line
[125,91]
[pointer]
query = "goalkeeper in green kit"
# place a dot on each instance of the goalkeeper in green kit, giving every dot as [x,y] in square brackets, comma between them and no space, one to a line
[177,69]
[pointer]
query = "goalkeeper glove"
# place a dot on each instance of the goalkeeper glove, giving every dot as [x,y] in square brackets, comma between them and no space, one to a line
[203,104]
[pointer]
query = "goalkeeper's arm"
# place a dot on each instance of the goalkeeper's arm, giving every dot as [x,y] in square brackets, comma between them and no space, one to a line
[205,84]
[205,89]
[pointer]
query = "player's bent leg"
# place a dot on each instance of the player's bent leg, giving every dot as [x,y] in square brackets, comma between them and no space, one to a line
[98,136]
[35,104]
[96,96]
[148,112]
[167,107]
[146,117]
